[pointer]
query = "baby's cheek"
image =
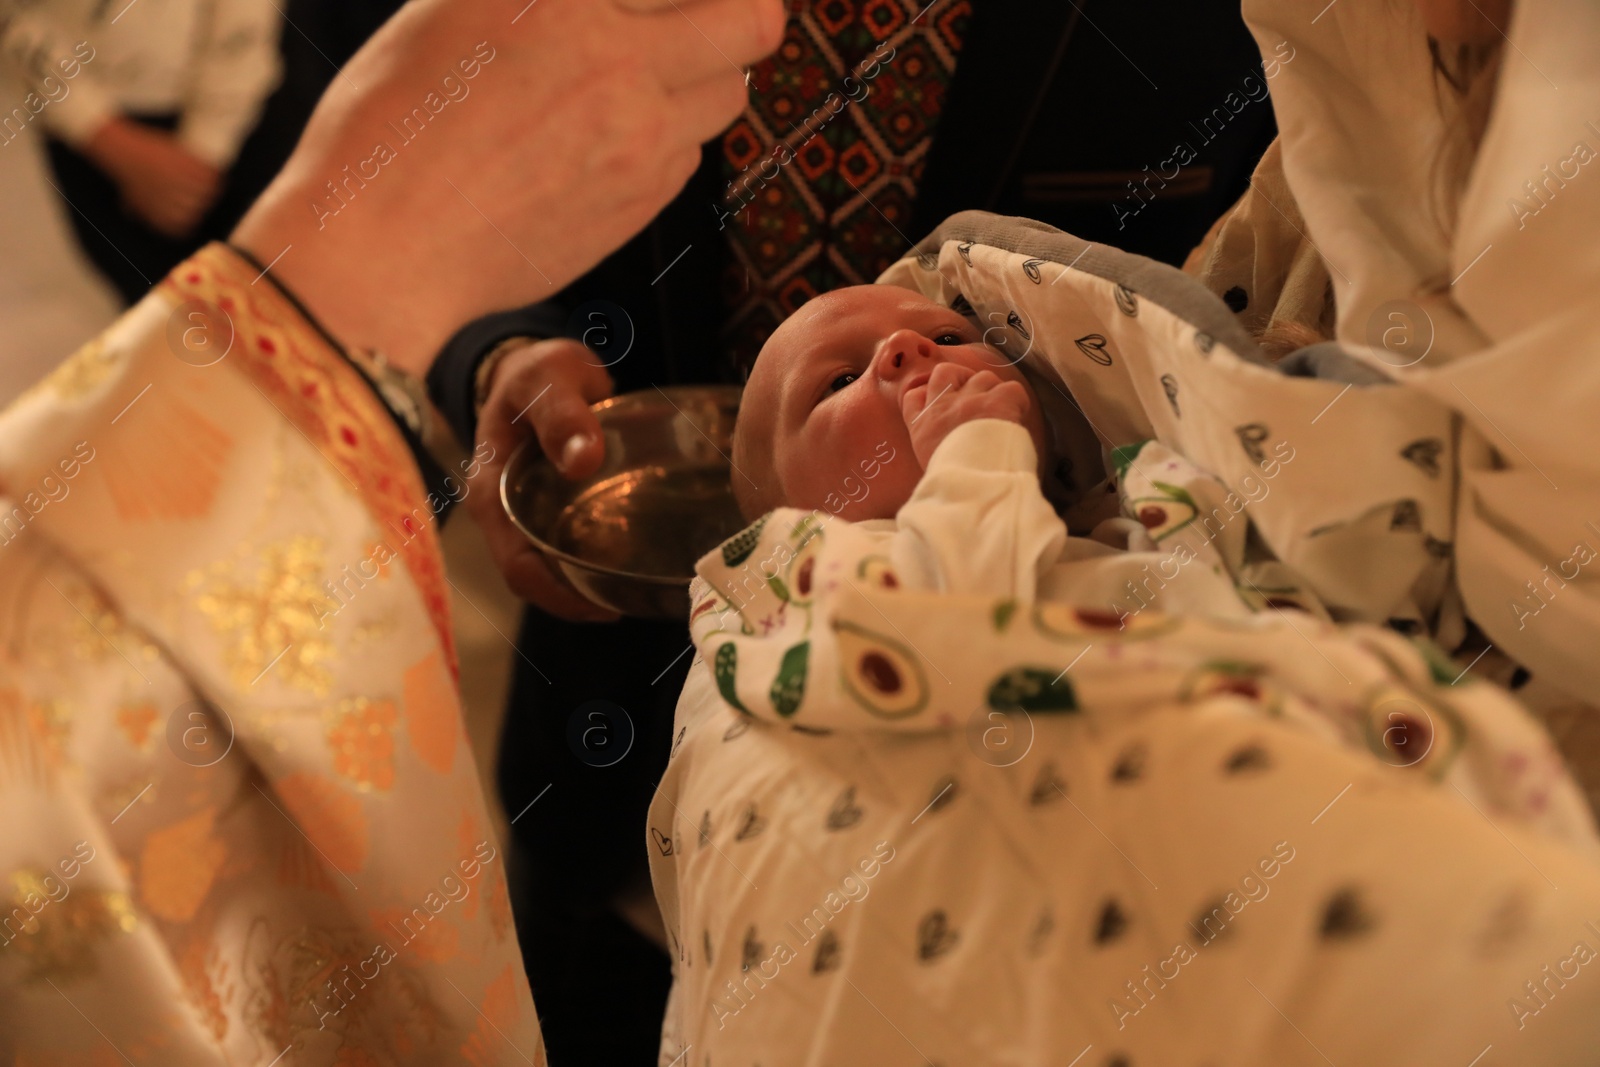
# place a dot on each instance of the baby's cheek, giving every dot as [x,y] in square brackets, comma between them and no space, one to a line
[893,486]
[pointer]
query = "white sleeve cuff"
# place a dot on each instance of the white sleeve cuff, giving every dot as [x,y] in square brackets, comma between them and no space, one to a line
[78,116]
[994,445]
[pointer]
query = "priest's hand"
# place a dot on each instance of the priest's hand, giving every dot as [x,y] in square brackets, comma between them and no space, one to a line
[479,156]
[543,389]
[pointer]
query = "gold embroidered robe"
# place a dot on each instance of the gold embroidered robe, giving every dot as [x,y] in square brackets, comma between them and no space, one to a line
[242,824]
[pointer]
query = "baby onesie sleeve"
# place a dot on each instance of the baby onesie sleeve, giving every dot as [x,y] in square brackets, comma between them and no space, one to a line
[978,521]
[776,609]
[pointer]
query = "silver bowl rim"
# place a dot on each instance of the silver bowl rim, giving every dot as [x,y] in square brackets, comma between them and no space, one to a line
[544,547]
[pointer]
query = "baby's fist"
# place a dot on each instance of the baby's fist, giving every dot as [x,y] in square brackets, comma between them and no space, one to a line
[954,395]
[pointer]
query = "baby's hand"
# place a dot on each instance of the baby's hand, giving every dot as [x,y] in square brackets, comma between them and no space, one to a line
[954,395]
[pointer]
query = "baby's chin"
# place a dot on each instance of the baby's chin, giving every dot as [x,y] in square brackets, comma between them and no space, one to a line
[878,506]
[857,498]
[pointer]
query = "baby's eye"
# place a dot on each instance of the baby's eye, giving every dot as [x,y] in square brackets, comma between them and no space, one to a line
[949,337]
[840,382]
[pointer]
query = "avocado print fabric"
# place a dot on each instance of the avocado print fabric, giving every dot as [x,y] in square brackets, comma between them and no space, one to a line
[939,796]
[921,812]
[975,605]
[1150,891]
[969,788]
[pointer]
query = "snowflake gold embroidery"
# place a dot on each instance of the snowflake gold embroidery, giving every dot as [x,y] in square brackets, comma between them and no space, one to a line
[272,620]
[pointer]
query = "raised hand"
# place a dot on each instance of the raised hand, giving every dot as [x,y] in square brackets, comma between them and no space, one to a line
[582,119]
[954,395]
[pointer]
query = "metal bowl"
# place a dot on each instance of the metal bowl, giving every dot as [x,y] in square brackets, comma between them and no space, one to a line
[627,538]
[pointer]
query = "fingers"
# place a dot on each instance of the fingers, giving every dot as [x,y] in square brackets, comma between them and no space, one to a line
[525,381]
[985,396]
[952,376]
[189,174]
[967,386]
[705,37]
[560,374]
[984,392]
[945,379]
[569,433]
[954,395]
[552,389]
[912,404]
[173,216]
[180,215]
[185,205]
[914,401]
[163,183]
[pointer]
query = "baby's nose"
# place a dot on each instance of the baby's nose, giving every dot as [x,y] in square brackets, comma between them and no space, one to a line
[900,352]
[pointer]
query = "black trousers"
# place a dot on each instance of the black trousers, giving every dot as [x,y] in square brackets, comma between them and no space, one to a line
[587,735]
[130,254]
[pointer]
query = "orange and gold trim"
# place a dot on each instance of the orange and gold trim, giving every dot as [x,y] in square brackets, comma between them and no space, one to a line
[314,387]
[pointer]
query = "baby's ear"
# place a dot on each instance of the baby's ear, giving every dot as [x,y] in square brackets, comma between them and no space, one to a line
[745,497]
[752,477]
[756,501]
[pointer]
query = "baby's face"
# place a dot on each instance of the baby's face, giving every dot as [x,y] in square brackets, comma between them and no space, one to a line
[822,408]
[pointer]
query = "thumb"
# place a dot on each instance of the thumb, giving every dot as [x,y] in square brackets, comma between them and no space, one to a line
[569,433]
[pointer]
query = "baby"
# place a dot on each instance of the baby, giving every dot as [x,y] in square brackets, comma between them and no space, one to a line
[867,367]
[960,447]
[879,406]
[1079,709]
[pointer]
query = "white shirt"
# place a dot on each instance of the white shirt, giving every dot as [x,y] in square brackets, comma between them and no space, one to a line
[212,61]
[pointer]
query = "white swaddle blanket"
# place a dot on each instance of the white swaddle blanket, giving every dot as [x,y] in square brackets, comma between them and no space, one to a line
[915,816]
[951,783]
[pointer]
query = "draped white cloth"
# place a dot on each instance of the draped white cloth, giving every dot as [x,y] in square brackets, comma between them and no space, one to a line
[1510,296]
[849,877]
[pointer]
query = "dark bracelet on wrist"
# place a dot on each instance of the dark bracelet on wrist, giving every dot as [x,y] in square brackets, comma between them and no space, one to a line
[402,396]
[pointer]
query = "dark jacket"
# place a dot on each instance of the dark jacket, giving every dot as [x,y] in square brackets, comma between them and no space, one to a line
[1069,113]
